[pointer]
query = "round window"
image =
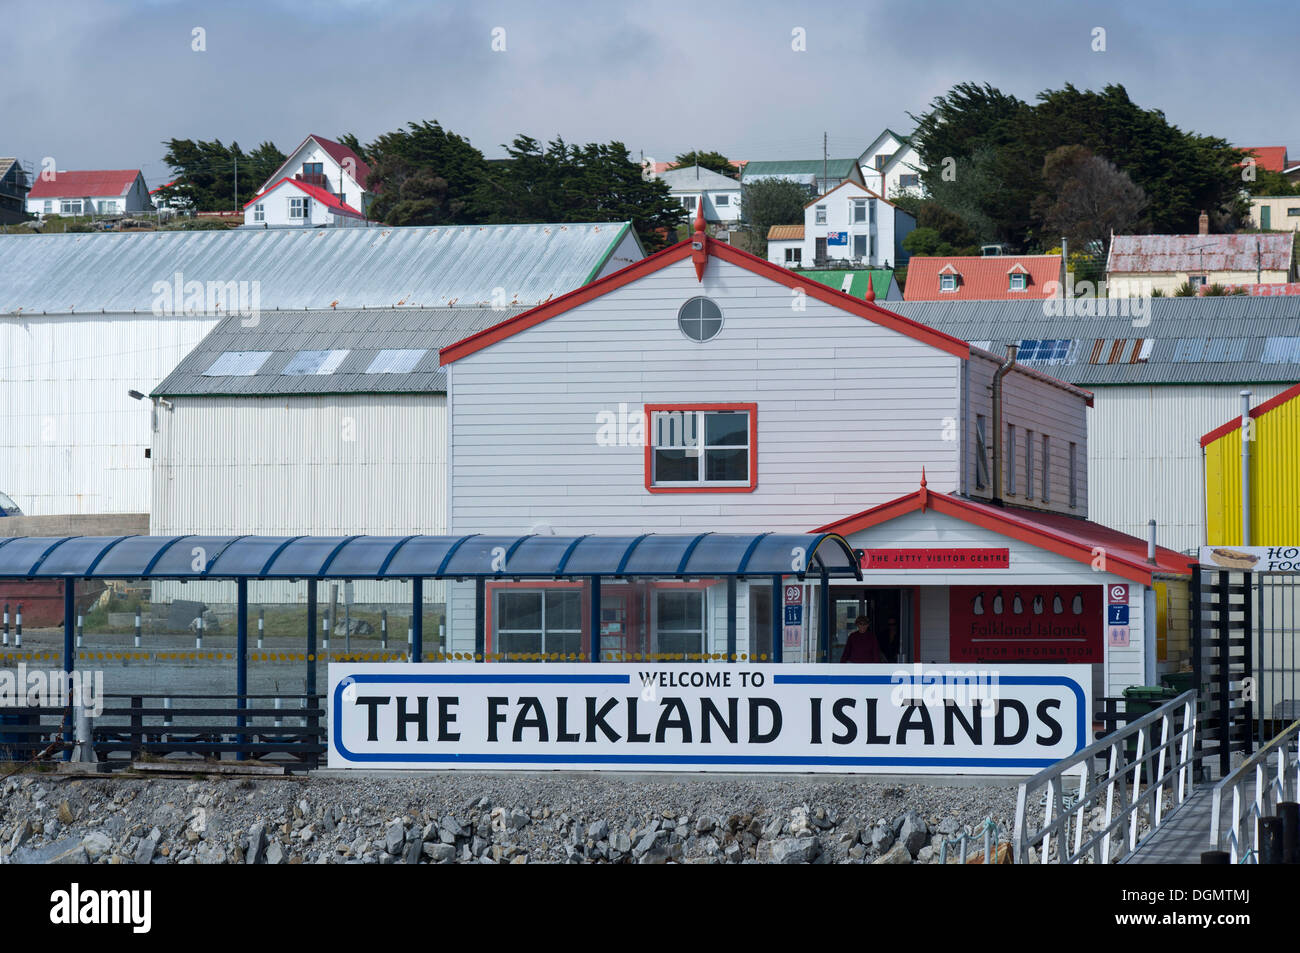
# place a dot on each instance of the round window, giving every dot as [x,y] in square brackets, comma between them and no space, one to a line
[700,319]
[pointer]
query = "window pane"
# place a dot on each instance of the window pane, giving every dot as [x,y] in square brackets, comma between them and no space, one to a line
[728,428]
[726,464]
[514,642]
[520,610]
[681,643]
[674,466]
[567,643]
[681,609]
[563,611]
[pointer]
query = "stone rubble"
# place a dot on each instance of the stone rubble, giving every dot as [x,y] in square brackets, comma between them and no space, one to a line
[501,819]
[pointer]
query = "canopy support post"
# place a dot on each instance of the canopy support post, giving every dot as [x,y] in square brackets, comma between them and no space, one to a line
[731,618]
[241,662]
[595,619]
[417,619]
[480,617]
[311,650]
[69,661]
[824,641]
[776,619]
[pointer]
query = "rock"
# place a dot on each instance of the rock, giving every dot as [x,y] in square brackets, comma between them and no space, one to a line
[67,851]
[395,837]
[794,850]
[651,840]
[733,853]
[897,855]
[274,852]
[662,853]
[145,850]
[414,847]
[598,831]
[857,852]
[23,831]
[882,838]
[925,855]
[704,824]
[914,834]
[65,814]
[949,825]
[620,842]
[440,853]
[256,843]
[208,853]
[97,844]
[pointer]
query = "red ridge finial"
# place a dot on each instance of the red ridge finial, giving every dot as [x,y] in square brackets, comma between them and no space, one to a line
[699,242]
[925,493]
[923,478]
[871,292]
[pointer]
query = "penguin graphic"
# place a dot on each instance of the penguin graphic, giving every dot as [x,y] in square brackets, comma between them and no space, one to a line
[1017,605]
[1038,604]
[1076,604]
[1057,605]
[997,603]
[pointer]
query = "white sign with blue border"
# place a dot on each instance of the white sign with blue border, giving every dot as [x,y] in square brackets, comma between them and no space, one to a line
[1008,720]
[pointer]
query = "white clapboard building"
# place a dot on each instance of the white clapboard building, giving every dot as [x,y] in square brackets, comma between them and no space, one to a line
[706,390]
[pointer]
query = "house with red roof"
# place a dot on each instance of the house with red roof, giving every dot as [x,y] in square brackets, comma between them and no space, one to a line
[293,202]
[1270,158]
[704,390]
[849,225]
[98,192]
[329,166]
[982,278]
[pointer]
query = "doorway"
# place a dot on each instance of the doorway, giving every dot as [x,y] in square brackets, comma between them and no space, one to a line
[881,606]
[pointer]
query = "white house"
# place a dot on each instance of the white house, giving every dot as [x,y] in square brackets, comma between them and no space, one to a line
[848,224]
[817,175]
[719,408]
[106,192]
[721,193]
[294,202]
[891,166]
[327,165]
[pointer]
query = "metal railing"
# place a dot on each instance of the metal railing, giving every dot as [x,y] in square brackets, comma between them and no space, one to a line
[1133,789]
[1283,785]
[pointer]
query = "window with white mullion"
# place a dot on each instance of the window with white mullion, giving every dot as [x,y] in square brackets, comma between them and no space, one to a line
[531,621]
[701,448]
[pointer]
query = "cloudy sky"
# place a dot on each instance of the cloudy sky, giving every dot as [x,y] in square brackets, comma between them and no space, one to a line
[102,84]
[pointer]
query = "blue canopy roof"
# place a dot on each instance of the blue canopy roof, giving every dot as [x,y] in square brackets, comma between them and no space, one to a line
[395,557]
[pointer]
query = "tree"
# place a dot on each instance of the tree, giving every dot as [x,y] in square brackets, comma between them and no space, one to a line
[350,140]
[769,202]
[423,175]
[205,173]
[715,161]
[1087,198]
[596,182]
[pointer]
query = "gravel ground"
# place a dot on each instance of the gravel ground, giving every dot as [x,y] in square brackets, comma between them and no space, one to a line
[489,818]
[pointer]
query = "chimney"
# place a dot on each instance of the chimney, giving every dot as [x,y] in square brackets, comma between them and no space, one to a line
[1203,224]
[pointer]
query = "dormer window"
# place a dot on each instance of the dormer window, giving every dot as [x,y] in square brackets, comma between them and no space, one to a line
[1017,282]
[1017,277]
[947,282]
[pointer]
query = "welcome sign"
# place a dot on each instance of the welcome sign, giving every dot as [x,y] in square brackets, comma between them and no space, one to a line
[682,717]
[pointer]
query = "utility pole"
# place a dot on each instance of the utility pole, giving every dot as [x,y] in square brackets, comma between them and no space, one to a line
[1258,263]
[236,181]
[825,162]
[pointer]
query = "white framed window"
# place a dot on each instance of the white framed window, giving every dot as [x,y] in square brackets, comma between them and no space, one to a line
[1011,459]
[859,210]
[1046,467]
[106,206]
[693,448]
[1293,212]
[981,455]
[872,216]
[1196,281]
[1074,479]
[820,214]
[1029,464]
[860,246]
[1018,281]
[679,624]
[722,201]
[259,212]
[298,207]
[689,202]
[539,620]
[908,181]
[49,206]
[947,282]
[70,207]
[794,255]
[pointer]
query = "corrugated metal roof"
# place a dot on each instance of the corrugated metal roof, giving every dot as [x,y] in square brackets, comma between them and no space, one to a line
[836,168]
[89,184]
[693,178]
[980,277]
[1153,254]
[426,267]
[363,336]
[1186,340]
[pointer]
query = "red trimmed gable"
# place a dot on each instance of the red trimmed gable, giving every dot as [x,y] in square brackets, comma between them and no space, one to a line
[328,199]
[1058,533]
[342,154]
[729,253]
[982,278]
[1291,393]
[111,183]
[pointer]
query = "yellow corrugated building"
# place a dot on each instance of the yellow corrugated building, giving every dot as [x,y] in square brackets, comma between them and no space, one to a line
[1274,475]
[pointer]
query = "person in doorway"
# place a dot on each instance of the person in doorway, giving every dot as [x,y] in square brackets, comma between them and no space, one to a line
[862,645]
[889,641]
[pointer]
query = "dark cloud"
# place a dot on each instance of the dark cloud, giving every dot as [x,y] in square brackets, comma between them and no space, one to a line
[101,85]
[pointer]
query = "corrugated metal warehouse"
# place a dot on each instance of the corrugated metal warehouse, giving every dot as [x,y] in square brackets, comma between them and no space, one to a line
[84,319]
[1161,379]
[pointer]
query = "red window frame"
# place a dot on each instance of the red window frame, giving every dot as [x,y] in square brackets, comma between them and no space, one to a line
[651,409]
